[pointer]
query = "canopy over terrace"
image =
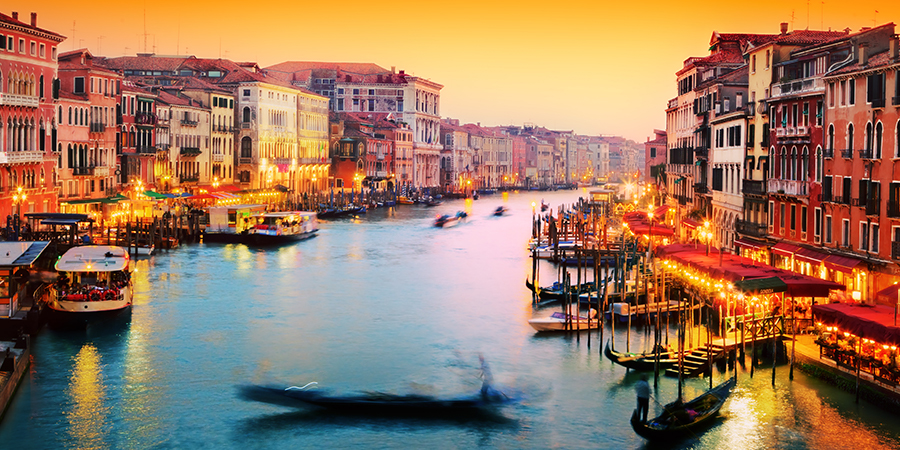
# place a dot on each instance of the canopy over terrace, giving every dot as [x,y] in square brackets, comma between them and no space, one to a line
[875,322]
[735,268]
[639,224]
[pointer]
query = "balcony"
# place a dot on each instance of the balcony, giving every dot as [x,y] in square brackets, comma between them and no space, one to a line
[245,160]
[895,100]
[866,154]
[878,103]
[796,87]
[748,228]
[847,153]
[673,103]
[186,177]
[754,187]
[162,147]
[893,210]
[218,158]
[145,149]
[873,207]
[701,188]
[21,157]
[788,187]
[841,200]
[702,152]
[861,202]
[97,127]
[101,171]
[189,123]
[895,250]
[18,100]
[145,118]
[82,171]
[828,153]
[190,151]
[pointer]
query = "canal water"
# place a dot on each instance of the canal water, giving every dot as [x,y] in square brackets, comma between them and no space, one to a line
[383,302]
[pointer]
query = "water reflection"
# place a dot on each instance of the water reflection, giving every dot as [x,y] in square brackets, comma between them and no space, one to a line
[88,412]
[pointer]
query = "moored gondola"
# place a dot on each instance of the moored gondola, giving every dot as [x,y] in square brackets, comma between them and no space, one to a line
[679,419]
[644,362]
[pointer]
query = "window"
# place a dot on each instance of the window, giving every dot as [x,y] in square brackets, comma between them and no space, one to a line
[863,236]
[53,53]
[371,104]
[767,59]
[845,232]
[851,87]
[843,92]
[874,232]
[43,53]
[875,90]
[753,64]
[79,85]
[817,223]
[828,229]
[803,218]
[246,92]
[2,42]
[879,131]
[781,219]
[21,45]
[793,217]
[850,137]
[831,95]
[845,189]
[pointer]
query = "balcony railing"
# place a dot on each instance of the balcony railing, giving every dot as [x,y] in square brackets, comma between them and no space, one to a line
[828,153]
[245,160]
[190,151]
[701,188]
[895,100]
[754,187]
[185,177]
[797,87]
[878,103]
[18,100]
[839,199]
[893,210]
[82,171]
[788,187]
[847,153]
[858,202]
[145,149]
[97,127]
[895,250]
[873,207]
[145,118]
[750,228]
[218,158]
[21,157]
[189,123]
[701,152]
[162,147]
[866,154]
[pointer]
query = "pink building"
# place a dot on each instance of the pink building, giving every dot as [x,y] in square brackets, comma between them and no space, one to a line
[655,156]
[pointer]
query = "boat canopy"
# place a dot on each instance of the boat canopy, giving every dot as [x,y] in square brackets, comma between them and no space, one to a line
[94,258]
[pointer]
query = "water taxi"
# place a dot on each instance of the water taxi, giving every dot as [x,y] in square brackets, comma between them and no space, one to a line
[94,281]
[275,228]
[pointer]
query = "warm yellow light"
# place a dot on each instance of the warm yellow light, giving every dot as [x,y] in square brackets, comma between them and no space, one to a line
[857,295]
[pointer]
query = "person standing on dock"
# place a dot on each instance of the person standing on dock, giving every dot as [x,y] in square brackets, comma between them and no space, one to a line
[643,397]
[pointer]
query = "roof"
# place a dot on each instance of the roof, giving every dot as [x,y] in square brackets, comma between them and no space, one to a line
[874,322]
[94,258]
[808,37]
[18,254]
[876,61]
[15,22]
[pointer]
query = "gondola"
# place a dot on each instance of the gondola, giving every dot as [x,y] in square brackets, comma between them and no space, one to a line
[681,419]
[644,362]
[556,291]
[375,402]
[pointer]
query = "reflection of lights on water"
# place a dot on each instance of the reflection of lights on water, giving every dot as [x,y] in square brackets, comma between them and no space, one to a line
[741,428]
[87,416]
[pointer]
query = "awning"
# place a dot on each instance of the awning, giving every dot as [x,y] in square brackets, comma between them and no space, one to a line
[889,293]
[690,223]
[810,256]
[806,286]
[844,264]
[875,322]
[785,249]
[750,243]
[82,201]
[761,286]
[154,195]
[661,211]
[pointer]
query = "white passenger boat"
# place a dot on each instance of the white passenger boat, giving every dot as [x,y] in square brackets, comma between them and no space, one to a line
[275,228]
[94,281]
[559,320]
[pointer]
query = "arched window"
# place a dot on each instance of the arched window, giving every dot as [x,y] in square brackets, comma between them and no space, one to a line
[784,167]
[804,165]
[831,138]
[246,147]
[820,164]
[850,138]
[70,115]
[246,114]
[879,131]
[868,146]
[794,164]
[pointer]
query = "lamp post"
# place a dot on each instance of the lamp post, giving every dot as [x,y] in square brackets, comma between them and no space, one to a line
[18,198]
[650,245]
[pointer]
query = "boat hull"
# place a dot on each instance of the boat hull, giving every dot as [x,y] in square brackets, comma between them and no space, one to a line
[259,239]
[223,238]
[644,362]
[667,426]
[80,314]
[549,324]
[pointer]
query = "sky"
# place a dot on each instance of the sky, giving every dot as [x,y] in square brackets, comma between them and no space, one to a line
[594,67]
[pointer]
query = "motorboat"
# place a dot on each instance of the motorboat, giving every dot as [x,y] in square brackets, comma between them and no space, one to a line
[447,221]
[684,419]
[274,228]
[94,281]
[229,224]
[560,321]
[501,210]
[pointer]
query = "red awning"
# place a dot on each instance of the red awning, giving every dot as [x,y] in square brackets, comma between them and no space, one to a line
[690,223]
[810,256]
[750,243]
[889,293]
[806,286]
[661,211]
[875,322]
[785,249]
[844,264]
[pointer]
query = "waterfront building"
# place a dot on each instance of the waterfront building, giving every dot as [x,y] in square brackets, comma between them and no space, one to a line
[136,142]
[163,166]
[220,103]
[655,157]
[860,192]
[87,115]
[28,126]
[762,58]
[543,170]
[371,137]
[456,157]
[518,162]
[189,145]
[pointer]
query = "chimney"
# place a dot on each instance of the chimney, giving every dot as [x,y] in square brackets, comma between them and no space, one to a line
[895,40]
[393,69]
[784,28]
[34,19]
[15,15]
[863,53]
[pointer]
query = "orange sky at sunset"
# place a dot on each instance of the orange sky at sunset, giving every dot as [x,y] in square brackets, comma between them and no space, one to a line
[593,67]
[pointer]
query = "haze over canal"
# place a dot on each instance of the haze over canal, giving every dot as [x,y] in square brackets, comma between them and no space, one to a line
[384,302]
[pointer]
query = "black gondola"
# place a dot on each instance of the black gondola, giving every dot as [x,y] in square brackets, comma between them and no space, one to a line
[375,402]
[644,362]
[556,291]
[680,419]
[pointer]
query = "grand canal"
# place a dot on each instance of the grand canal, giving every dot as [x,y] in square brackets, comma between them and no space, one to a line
[384,302]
